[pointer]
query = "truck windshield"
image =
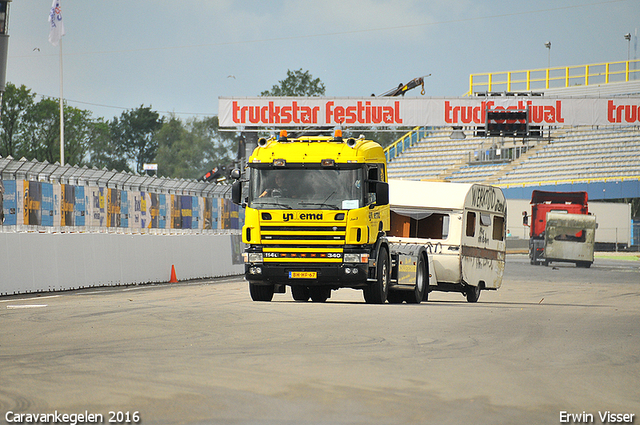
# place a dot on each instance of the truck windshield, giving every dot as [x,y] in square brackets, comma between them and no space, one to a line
[314,189]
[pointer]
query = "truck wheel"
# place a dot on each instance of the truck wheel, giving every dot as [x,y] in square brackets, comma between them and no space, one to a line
[417,295]
[261,292]
[319,294]
[473,293]
[300,293]
[532,258]
[376,293]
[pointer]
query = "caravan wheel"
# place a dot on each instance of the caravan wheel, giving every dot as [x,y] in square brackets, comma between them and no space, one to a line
[473,293]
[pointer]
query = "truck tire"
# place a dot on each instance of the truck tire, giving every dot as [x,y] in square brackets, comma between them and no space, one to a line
[417,295]
[319,294]
[300,293]
[473,293]
[376,293]
[261,292]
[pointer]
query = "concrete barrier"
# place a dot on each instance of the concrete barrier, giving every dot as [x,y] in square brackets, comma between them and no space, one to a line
[41,262]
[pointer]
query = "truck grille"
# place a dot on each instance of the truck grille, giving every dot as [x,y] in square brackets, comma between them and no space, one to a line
[303,243]
[303,235]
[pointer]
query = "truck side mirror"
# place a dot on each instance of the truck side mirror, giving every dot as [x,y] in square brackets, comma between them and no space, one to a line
[236,192]
[235,174]
[382,193]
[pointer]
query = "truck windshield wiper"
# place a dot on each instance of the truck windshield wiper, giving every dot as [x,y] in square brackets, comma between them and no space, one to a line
[273,203]
[322,204]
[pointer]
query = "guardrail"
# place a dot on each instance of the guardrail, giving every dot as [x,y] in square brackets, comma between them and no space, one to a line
[396,148]
[558,77]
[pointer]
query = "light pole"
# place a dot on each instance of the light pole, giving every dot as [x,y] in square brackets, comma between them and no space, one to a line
[4,44]
[627,37]
[548,46]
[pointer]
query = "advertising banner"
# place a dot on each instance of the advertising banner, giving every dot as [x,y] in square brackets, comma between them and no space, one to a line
[281,112]
[162,211]
[206,214]
[47,204]
[79,208]
[176,218]
[135,206]
[68,199]
[124,209]
[98,210]
[185,211]
[32,203]
[215,213]
[9,204]
[145,214]
[195,213]
[113,208]
[154,210]
[57,205]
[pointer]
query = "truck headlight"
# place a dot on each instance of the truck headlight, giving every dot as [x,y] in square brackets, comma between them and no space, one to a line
[356,258]
[252,257]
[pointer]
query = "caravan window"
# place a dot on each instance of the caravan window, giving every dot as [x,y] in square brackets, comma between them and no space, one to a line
[471,223]
[498,228]
[419,224]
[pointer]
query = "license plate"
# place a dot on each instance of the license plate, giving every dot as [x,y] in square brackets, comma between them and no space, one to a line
[303,275]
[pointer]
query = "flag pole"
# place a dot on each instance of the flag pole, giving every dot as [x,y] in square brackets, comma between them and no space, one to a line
[61,111]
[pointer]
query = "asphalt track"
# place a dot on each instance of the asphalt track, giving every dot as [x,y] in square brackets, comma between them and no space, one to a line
[551,340]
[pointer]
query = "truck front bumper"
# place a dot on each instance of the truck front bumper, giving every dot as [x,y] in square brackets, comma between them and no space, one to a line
[343,275]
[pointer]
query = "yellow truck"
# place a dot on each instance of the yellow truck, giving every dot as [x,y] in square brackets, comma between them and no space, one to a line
[319,218]
[317,209]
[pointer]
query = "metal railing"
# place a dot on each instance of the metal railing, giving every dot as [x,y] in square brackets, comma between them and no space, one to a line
[409,139]
[558,77]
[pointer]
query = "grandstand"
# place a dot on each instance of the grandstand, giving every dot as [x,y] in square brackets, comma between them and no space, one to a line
[590,157]
[567,155]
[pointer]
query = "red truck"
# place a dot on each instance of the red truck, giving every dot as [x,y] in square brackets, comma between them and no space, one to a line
[575,207]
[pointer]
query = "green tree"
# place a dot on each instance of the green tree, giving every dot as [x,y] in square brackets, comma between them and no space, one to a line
[40,139]
[78,134]
[297,83]
[189,150]
[15,102]
[102,152]
[135,135]
[176,149]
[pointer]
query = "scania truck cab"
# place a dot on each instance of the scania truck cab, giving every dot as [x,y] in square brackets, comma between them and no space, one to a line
[317,209]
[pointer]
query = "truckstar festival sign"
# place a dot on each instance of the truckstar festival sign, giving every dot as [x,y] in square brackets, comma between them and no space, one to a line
[280,112]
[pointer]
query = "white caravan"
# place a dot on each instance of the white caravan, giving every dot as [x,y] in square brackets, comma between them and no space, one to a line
[462,227]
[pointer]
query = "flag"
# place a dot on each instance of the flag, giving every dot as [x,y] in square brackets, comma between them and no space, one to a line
[55,20]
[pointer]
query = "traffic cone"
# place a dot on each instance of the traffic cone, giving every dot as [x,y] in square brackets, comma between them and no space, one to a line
[173,279]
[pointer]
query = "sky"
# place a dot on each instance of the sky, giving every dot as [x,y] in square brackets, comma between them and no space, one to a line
[180,56]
